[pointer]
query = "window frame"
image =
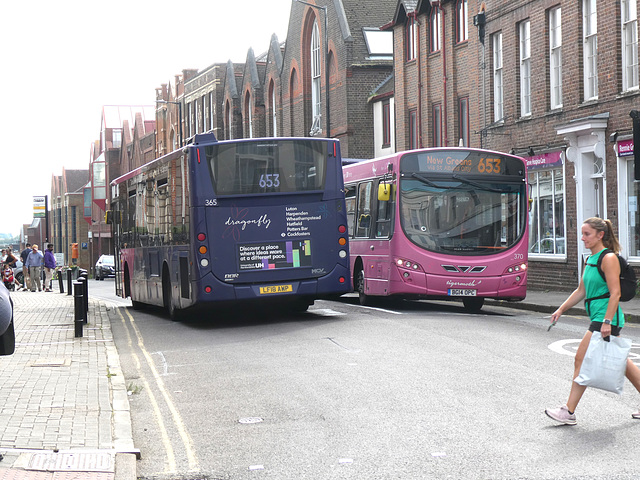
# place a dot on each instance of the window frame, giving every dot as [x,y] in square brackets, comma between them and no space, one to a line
[629,46]
[524,42]
[316,72]
[435,30]
[386,123]
[463,121]
[498,77]
[436,118]
[590,49]
[536,211]
[555,58]
[411,39]
[413,129]
[462,21]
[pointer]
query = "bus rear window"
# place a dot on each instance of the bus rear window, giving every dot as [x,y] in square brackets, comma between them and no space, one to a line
[278,166]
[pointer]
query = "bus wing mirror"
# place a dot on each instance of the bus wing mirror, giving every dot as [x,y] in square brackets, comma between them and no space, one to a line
[384,192]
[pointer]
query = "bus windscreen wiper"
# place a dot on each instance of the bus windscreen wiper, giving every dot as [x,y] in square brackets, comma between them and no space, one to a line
[477,185]
[425,180]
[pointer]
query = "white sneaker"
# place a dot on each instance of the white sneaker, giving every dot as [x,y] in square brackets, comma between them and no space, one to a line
[562,415]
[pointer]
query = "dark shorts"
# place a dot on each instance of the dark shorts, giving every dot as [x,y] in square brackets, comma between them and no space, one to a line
[595,327]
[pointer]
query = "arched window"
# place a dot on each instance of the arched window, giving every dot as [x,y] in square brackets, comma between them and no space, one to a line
[247,114]
[273,111]
[316,103]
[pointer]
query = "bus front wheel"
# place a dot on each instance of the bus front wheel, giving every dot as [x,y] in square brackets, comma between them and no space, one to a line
[363,298]
[473,304]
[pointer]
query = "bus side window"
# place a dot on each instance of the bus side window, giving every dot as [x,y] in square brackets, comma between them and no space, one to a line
[364,210]
[350,201]
[385,215]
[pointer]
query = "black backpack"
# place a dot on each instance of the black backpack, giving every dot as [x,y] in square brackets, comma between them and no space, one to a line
[628,282]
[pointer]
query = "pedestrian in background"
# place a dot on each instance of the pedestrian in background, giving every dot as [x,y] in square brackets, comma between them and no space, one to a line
[49,267]
[34,264]
[605,313]
[10,259]
[25,270]
[4,255]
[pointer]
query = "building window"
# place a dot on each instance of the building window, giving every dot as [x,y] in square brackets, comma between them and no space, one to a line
[435,28]
[463,121]
[629,44]
[498,101]
[525,68]
[197,112]
[248,114]
[413,129]
[462,21]
[116,135]
[273,109]
[437,125]
[386,123]
[212,111]
[555,57]
[74,225]
[190,119]
[590,49]
[411,38]
[315,78]
[203,113]
[547,215]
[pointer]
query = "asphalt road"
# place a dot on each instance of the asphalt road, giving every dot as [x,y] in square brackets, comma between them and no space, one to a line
[412,390]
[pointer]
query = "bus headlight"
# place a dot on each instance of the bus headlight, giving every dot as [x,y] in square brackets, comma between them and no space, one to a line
[204,262]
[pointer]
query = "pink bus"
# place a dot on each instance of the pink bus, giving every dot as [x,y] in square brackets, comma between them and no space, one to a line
[438,223]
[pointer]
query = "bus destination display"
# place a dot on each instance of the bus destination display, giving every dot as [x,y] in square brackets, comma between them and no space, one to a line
[465,163]
[274,255]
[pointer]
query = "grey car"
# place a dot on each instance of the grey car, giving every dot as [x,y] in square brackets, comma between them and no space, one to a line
[105,267]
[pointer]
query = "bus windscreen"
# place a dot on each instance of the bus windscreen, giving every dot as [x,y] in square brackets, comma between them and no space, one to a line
[244,168]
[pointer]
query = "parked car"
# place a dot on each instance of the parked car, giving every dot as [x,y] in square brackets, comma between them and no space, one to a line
[7,333]
[105,267]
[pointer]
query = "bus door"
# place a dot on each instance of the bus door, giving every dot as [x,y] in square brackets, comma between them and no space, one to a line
[372,226]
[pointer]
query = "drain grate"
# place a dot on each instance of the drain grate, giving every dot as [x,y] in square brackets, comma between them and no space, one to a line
[72,462]
[52,362]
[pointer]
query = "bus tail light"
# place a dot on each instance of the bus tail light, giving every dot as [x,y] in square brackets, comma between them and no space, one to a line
[208,289]
[202,249]
[342,241]
[342,229]
[341,279]
[342,254]
[204,262]
[202,237]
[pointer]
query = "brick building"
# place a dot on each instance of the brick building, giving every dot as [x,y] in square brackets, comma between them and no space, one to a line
[553,82]
[66,225]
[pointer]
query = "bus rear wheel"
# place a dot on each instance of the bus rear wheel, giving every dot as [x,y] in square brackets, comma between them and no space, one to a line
[473,304]
[175,314]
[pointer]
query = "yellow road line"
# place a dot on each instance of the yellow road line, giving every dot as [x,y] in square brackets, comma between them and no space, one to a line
[177,419]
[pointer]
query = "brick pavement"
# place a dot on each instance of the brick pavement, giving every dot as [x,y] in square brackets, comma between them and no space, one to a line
[60,396]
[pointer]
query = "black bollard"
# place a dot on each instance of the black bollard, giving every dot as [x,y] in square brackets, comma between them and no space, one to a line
[69,280]
[83,285]
[84,274]
[60,282]
[78,308]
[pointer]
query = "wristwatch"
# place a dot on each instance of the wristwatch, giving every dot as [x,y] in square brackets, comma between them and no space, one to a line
[607,321]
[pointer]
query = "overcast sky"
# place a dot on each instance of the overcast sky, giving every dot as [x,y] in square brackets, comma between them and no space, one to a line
[62,61]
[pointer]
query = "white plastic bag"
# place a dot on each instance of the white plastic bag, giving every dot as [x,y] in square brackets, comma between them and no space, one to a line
[605,363]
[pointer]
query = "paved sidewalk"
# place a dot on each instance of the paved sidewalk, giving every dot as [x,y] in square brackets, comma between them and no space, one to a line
[546,302]
[64,410]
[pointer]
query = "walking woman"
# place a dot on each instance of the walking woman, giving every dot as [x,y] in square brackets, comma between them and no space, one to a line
[605,313]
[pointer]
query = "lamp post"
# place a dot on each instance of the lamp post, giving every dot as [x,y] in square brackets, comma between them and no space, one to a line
[326,62]
[164,102]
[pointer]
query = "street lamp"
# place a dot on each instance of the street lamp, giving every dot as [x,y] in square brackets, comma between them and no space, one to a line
[164,102]
[326,60]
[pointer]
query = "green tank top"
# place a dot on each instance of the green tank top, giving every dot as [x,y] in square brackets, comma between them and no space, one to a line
[595,286]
